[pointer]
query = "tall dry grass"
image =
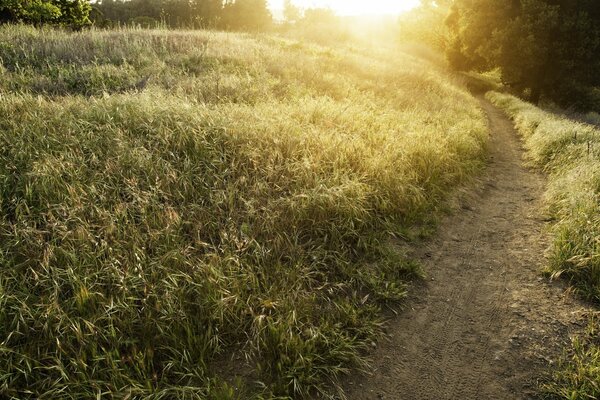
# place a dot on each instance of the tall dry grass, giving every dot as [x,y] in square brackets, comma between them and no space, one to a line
[156,235]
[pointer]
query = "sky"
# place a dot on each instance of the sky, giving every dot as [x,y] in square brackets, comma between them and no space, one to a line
[354,7]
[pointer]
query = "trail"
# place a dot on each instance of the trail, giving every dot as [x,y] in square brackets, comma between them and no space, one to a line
[485,324]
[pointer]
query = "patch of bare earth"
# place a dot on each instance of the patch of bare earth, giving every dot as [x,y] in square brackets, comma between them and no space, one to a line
[485,324]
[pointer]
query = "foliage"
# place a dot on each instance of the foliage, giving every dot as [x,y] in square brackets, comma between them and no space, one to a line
[291,12]
[250,15]
[71,13]
[247,15]
[577,376]
[320,26]
[178,209]
[425,24]
[544,48]
[31,11]
[481,83]
[74,13]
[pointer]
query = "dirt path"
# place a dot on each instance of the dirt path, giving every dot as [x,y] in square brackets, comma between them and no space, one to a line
[485,325]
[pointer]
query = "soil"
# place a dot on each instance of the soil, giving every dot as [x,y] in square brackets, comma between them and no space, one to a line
[485,324]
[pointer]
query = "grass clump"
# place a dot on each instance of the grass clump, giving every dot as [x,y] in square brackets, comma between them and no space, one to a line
[238,206]
[481,83]
[577,376]
[570,152]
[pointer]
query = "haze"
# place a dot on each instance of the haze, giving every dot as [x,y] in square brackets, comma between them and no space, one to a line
[354,7]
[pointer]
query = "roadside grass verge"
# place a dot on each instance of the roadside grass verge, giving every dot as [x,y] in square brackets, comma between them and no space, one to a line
[481,83]
[570,152]
[222,229]
[577,376]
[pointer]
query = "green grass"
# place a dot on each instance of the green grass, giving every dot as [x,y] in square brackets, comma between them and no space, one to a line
[481,83]
[240,205]
[577,377]
[570,152]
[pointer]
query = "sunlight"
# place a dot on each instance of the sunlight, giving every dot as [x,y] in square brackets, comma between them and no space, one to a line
[354,7]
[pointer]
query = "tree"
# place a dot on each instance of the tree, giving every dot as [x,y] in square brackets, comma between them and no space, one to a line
[207,13]
[72,13]
[174,13]
[425,24]
[250,15]
[178,13]
[29,11]
[544,48]
[291,12]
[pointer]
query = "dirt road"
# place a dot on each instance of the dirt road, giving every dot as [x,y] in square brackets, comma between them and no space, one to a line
[485,324]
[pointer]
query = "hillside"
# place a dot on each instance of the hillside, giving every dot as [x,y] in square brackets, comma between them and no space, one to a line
[184,214]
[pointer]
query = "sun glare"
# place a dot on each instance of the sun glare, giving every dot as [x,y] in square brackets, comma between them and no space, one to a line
[354,7]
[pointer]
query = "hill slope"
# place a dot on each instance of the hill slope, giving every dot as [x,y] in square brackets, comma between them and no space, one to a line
[171,201]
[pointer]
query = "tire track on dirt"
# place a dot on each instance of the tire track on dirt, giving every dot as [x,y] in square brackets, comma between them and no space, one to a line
[484,324]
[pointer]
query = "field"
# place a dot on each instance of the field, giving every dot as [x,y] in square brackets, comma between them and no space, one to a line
[212,215]
[569,152]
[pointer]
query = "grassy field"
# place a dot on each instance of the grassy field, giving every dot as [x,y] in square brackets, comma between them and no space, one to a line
[209,215]
[570,152]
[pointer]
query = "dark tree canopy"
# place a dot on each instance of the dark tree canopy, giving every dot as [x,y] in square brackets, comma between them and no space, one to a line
[545,48]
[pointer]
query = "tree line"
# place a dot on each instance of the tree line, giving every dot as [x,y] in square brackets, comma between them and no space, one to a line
[71,13]
[229,14]
[545,49]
